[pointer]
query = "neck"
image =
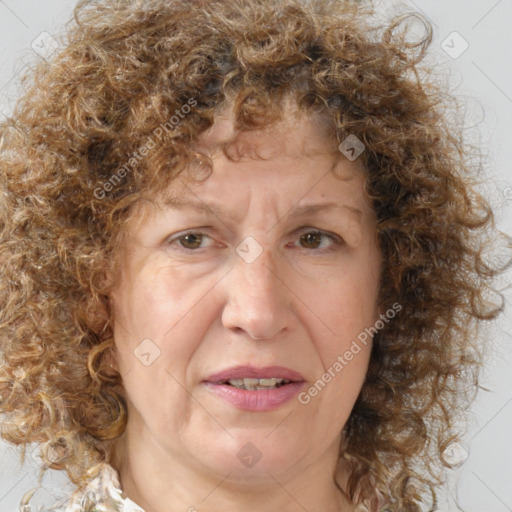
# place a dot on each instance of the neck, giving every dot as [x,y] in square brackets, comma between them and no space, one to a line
[162,482]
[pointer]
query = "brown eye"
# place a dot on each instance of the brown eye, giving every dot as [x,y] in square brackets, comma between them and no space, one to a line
[190,240]
[318,242]
[312,240]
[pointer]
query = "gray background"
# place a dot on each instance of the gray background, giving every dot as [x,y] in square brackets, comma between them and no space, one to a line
[481,76]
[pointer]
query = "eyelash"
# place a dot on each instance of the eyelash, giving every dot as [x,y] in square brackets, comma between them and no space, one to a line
[336,240]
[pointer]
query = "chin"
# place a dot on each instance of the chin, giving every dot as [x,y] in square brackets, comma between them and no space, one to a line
[252,459]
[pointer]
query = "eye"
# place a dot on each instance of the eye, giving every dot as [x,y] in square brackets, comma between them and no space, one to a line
[313,240]
[189,241]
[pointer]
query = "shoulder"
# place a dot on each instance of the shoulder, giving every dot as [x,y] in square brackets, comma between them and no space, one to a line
[375,504]
[101,493]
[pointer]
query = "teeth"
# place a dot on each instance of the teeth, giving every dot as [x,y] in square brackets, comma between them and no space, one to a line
[254,384]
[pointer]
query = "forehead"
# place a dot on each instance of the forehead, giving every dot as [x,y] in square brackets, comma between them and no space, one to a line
[298,134]
[296,144]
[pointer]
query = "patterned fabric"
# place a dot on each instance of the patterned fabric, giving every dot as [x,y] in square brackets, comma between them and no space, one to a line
[104,494]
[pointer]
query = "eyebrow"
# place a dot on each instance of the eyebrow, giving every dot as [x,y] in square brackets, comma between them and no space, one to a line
[315,207]
[218,210]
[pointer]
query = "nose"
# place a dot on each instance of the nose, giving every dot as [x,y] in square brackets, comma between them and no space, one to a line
[257,299]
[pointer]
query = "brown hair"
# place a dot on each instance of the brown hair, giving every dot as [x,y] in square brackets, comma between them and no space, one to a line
[72,171]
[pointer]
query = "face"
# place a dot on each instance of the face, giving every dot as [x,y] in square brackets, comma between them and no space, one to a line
[255,279]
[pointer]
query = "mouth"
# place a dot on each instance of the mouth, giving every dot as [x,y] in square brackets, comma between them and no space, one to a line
[251,377]
[250,384]
[256,389]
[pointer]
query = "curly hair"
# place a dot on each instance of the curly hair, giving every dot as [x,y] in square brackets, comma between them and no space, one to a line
[73,167]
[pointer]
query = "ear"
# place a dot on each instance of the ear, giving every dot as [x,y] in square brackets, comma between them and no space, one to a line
[111,359]
[97,313]
[379,312]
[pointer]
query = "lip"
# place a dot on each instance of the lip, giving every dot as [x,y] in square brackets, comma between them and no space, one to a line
[267,372]
[257,400]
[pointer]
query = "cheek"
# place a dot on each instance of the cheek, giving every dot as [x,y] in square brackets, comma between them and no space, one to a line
[344,307]
[155,321]
[345,310]
[148,300]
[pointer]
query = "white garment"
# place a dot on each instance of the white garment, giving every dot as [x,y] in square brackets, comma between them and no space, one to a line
[104,494]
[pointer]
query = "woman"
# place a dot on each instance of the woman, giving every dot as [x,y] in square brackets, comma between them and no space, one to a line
[242,261]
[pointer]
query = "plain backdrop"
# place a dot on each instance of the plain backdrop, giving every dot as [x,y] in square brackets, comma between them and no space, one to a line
[472,47]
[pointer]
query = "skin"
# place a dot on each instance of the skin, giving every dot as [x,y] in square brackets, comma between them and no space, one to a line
[298,305]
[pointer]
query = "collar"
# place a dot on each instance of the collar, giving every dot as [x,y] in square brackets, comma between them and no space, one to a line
[102,494]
